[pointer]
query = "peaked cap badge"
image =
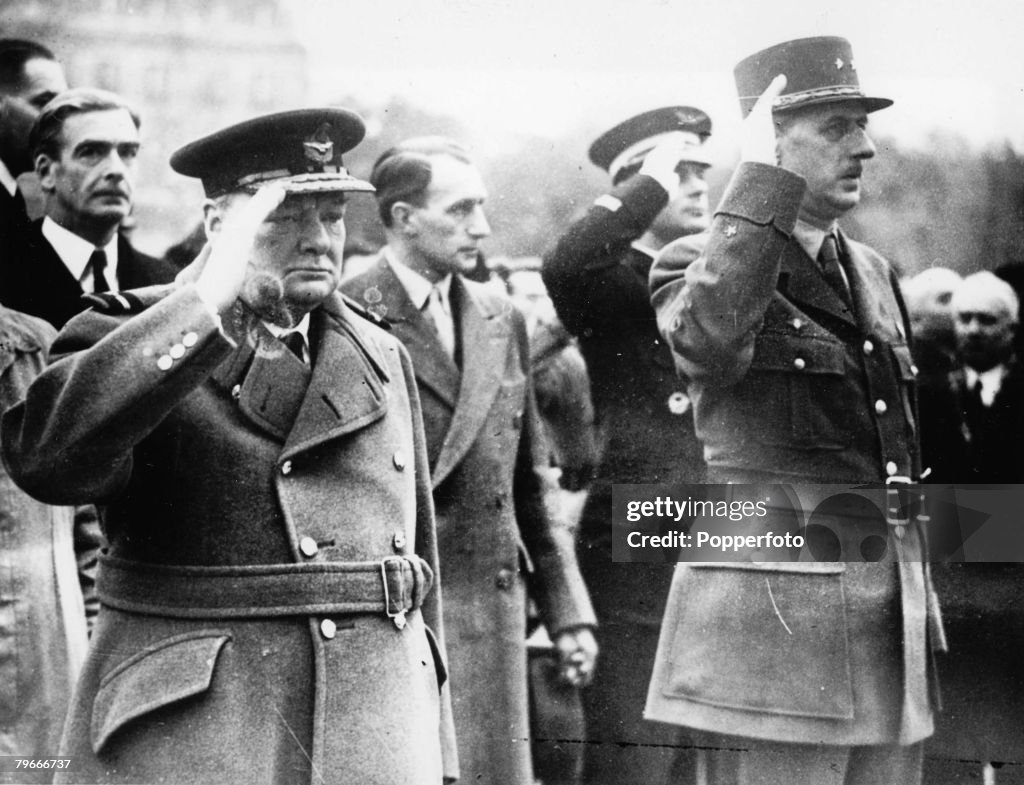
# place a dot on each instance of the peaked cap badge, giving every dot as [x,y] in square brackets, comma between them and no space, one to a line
[319,148]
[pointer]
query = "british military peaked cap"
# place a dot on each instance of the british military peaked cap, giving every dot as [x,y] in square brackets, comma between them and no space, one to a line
[623,147]
[300,150]
[818,70]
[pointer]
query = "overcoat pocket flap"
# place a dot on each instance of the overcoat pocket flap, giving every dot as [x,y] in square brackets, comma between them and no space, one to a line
[164,672]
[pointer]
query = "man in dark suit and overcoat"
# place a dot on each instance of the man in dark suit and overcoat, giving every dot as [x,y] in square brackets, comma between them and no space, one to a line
[256,449]
[794,339]
[597,277]
[974,418]
[488,462]
[84,143]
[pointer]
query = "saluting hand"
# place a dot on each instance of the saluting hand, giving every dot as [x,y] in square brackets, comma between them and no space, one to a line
[758,140]
[222,265]
[662,162]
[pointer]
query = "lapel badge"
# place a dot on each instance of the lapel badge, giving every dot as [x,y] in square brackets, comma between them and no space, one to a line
[318,148]
[372,295]
[730,230]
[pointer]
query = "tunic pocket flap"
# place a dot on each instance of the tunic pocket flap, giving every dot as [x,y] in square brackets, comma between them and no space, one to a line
[798,355]
[164,672]
[765,641]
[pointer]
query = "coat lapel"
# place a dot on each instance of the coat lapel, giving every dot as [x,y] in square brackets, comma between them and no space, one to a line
[806,285]
[268,382]
[346,391]
[876,315]
[381,292]
[485,339]
[280,395]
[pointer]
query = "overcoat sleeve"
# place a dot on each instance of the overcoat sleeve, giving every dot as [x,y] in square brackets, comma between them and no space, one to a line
[710,311]
[555,581]
[584,274]
[113,379]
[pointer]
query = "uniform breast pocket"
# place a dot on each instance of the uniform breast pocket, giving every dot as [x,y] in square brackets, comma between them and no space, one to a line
[799,395]
[769,638]
[163,673]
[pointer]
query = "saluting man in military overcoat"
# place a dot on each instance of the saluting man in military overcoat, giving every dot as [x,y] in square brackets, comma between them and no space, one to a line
[256,447]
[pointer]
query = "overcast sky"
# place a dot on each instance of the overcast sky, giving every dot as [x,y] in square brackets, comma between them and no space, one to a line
[546,66]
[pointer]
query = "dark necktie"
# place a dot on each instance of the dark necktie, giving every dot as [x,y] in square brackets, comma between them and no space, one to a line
[98,263]
[828,259]
[297,344]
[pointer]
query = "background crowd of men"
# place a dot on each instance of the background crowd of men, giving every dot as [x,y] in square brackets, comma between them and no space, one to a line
[281,521]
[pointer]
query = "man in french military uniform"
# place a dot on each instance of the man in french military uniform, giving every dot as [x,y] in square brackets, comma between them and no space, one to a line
[256,448]
[794,339]
[597,277]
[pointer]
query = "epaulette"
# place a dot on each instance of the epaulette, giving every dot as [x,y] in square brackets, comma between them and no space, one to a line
[367,313]
[128,302]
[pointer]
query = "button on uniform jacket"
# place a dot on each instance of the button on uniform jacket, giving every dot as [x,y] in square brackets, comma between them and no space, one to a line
[232,475]
[487,462]
[790,386]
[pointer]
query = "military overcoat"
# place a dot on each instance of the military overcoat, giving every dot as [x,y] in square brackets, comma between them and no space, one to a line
[263,519]
[791,385]
[487,472]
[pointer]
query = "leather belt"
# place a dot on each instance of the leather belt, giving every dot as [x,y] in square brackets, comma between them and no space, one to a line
[263,590]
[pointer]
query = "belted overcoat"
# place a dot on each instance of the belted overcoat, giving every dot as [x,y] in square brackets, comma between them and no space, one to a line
[263,520]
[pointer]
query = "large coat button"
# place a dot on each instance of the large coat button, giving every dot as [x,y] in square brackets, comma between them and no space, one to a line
[328,628]
[308,547]
[505,579]
[399,460]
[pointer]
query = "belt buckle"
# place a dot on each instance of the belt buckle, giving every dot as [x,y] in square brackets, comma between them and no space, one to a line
[893,506]
[398,617]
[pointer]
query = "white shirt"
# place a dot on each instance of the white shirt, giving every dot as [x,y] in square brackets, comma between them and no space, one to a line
[74,252]
[991,382]
[7,179]
[302,328]
[419,290]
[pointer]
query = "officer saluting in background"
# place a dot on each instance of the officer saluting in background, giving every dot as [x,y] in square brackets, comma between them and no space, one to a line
[597,277]
[257,451]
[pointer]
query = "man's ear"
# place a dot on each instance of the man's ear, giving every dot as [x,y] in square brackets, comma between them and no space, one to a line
[45,167]
[213,218]
[403,217]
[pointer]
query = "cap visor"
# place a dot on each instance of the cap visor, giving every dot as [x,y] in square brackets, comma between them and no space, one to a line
[315,184]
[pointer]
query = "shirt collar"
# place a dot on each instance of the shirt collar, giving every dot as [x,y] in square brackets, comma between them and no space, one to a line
[991,382]
[811,237]
[75,251]
[416,286]
[7,179]
[636,245]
